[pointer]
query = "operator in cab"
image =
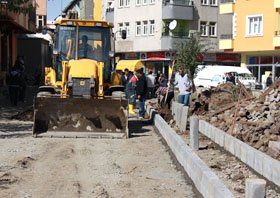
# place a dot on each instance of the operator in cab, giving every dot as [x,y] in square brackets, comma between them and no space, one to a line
[85,50]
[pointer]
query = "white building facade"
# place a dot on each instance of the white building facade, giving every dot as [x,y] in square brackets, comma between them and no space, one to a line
[149,37]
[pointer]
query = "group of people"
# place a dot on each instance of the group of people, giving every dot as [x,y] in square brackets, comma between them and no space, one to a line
[141,87]
[136,88]
[16,82]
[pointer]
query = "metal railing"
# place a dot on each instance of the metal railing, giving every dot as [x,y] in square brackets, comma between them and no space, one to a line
[176,34]
[110,10]
[226,36]
[227,1]
[178,2]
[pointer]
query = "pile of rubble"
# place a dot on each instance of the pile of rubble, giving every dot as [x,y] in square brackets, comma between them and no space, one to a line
[257,119]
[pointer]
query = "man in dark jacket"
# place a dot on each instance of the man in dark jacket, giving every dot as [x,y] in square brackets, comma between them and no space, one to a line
[125,78]
[14,85]
[141,91]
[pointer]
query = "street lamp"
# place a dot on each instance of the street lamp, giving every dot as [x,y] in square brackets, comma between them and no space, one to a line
[114,37]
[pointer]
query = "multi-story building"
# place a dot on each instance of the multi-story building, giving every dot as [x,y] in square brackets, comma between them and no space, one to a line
[84,9]
[41,14]
[212,26]
[12,24]
[255,35]
[149,35]
[154,27]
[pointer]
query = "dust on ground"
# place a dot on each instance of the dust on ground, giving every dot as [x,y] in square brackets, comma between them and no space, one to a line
[49,167]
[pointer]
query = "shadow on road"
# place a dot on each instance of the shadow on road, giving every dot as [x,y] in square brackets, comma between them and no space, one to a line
[136,128]
[15,130]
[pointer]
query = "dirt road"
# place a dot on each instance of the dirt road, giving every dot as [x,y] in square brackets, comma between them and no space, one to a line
[58,168]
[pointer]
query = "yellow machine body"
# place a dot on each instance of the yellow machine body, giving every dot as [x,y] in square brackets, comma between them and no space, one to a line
[80,107]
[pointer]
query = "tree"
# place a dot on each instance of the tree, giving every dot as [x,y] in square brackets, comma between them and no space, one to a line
[189,53]
[16,6]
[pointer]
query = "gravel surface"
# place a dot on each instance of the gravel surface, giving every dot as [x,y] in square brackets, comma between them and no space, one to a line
[49,167]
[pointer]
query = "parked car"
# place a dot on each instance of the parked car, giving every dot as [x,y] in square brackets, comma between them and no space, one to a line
[212,76]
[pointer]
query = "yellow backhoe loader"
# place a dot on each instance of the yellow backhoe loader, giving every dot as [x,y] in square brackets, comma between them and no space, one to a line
[73,102]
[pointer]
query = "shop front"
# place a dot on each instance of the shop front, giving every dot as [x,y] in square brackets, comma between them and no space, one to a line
[262,65]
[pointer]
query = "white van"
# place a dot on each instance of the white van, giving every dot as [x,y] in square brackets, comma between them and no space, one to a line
[212,76]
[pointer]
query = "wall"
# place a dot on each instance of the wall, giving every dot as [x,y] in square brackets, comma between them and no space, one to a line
[139,13]
[42,7]
[211,14]
[270,25]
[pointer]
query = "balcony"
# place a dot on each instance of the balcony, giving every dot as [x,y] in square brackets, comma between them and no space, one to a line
[276,3]
[169,39]
[225,42]
[177,9]
[276,39]
[110,15]
[226,7]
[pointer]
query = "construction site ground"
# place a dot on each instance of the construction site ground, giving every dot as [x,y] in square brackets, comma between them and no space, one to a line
[231,171]
[64,167]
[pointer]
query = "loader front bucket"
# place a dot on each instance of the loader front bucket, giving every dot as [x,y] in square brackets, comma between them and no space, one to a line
[80,117]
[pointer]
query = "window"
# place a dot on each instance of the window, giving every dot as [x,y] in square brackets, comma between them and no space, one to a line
[204,2]
[212,29]
[152,27]
[120,29]
[121,2]
[203,28]
[127,3]
[145,27]
[127,29]
[138,28]
[254,26]
[40,22]
[152,1]
[145,2]
[138,2]
[213,2]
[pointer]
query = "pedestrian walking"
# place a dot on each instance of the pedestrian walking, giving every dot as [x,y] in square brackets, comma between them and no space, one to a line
[131,92]
[162,81]
[141,91]
[151,85]
[125,78]
[14,85]
[230,78]
[182,81]
[269,80]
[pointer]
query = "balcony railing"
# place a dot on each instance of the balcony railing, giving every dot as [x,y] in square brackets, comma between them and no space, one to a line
[178,2]
[227,1]
[110,10]
[176,34]
[226,36]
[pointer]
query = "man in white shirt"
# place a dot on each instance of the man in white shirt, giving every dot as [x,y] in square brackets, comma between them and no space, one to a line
[182,81]
[151,85]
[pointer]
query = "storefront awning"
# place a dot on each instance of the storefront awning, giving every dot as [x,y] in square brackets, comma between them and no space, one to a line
[131,65]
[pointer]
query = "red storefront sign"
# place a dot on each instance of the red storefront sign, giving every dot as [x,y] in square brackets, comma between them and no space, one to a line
[155,56]
[227,57]
[131,56]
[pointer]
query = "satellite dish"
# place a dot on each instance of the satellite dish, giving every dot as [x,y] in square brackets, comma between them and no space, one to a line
[172,25]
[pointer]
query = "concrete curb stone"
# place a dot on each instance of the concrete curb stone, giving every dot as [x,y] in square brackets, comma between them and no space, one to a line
[204,179]
[259,161]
